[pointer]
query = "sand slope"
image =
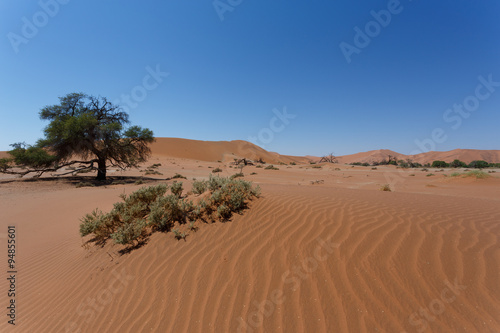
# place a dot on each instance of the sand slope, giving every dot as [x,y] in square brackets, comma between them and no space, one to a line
[213,151]
[319,258]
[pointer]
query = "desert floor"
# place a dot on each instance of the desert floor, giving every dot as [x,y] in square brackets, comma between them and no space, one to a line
[338,255]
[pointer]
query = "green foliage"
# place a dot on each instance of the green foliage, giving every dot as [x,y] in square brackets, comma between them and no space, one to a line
[237,175]
[478,174]
[429,175]
[86,126]
[271,167]
[200,186]
[478,164]
[293,163]
[439,164]
[149,209]
[176,189]
[32,156]
[458,164]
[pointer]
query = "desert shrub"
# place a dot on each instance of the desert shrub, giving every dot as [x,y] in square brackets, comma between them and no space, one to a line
[216,170]
[199,186]
[440,164]
[224,212]
[167,210]
[424,169]
[385,188]
[127,233]
[374,168]
[429,175]
[458,164]
[281,163]
[152,172]
[293,163]
[412,175]
[176,189]
[154,166]
[253,173]
[478,164]
[455,174]
[258,166]
[237,175]
[139,182]
[118,182]
[146,195]
[178,235]
[178,176]
[271,167]
[317,167]
[478,174]
[149,209]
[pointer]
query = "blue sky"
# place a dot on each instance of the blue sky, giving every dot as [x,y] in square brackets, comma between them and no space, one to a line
[233,66]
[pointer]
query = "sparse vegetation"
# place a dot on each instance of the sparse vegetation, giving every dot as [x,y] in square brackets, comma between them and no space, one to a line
[429,175]
[386,188]
[216,170]
[152,172]
[178,176]
[478,174]
[258,166]
[293,163]
[149,209]
[317,167]
[177,189]
[271,167]
[199,186]
[237,175]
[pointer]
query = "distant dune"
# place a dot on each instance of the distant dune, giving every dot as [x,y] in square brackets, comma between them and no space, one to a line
[212,151]
[227,151]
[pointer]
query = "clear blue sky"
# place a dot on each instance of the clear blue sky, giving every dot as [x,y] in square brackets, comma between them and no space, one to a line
[227,76]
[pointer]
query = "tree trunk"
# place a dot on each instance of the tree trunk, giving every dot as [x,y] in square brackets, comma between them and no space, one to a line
[101,169]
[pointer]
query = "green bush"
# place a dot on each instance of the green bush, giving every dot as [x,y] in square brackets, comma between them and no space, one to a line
[478,164]
[237,175]
[199,186]
[458,164]
[478,174]
[440,164]
[177,189]
[429,174]
[293,163]
[271,167]
[149,209]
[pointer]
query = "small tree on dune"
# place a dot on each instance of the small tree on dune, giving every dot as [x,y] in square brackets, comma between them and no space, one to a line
[83,130]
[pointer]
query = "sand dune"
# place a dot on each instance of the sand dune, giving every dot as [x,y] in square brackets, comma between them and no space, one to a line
[213,151]
[337,257]
[227,151]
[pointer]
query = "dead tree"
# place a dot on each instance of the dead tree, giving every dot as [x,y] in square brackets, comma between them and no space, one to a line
[329,159]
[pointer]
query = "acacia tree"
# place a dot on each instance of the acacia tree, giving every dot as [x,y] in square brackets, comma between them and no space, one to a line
[84,130]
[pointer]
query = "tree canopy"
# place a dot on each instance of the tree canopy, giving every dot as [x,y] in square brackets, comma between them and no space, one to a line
[83,130]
